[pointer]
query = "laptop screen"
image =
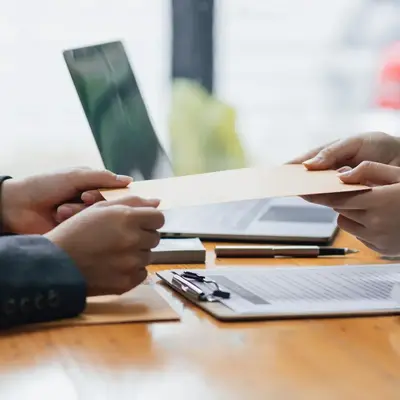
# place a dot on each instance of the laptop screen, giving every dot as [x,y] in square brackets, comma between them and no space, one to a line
[116,111]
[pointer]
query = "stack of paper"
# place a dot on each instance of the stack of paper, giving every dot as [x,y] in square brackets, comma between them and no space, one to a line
[179,251]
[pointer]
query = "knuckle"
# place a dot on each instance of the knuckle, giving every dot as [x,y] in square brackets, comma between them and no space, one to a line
[129,240]
[145,259]
[330,150]
[73,172]
[143,275]
[156,239]
[139,277]
[136,279]
[159,219]
[125,284]
[367,165]
[133,239]
[137,200]
[123,213]
[376,223]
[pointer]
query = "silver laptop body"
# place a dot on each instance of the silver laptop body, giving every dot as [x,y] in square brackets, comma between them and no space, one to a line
[120,124]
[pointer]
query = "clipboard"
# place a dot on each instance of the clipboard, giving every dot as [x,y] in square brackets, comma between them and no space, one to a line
[215,308]
[295,292]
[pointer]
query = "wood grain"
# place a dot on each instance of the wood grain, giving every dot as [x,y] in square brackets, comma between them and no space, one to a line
[200,358]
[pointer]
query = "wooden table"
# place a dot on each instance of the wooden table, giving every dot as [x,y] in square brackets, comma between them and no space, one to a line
[200,358]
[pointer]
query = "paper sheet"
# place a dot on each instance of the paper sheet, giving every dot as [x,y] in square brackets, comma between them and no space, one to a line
[304,290]
[235,185]
[142,304]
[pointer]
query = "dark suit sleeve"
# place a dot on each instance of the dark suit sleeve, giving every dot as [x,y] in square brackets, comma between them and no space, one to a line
[38,282]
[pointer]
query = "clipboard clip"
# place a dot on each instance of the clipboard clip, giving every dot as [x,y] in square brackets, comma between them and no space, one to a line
[184,282]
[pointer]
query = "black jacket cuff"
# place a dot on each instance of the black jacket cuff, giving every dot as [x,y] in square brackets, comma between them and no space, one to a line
[38,282]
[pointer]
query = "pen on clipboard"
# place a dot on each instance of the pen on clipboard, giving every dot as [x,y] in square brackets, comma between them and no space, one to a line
[182,281]
[281,251]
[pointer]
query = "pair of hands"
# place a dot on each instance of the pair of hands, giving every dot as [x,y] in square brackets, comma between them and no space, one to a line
[109,242]
[372,159]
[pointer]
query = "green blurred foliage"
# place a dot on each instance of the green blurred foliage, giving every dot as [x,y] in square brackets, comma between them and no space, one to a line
[202,131]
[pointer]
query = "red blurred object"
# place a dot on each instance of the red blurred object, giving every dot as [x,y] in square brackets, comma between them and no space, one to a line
[389,79]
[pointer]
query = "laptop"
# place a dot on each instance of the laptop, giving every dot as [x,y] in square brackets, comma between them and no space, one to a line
[124,134]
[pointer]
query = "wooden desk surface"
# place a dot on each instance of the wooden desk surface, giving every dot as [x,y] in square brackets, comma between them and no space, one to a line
[200,358]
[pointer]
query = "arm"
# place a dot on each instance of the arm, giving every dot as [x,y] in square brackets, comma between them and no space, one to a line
[38,282]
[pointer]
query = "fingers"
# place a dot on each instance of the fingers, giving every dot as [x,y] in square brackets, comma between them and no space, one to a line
[148,219]
[350,226]
[334,155]
[345,201]
[369,245]
[68,210]
[371,173]
[131,272]
[142,240]
[139,212]
[134,201]
[133,262]
[310,154]
[118,284]
[359,216]
[149,240]
[129,281]
[84,179]
[91,197]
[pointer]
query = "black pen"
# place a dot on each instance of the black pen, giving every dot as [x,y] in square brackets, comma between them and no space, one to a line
[281,251]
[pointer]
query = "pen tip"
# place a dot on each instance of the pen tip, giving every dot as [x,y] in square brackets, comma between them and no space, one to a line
[352,251]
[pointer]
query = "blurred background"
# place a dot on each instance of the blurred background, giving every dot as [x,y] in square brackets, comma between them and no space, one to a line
[227,83]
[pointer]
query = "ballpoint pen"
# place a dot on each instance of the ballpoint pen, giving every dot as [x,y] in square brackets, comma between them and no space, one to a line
[281,251]
[188,287]
[183,282]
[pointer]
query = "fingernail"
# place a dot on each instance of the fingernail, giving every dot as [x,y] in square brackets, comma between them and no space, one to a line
[344,169]
[65,212]
[88,198]
[316,160]
[124,178]
[154,201]
[345,173]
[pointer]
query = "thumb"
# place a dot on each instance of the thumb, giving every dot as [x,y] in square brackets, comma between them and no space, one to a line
[132,201]
[84,179]
[334,155]
[370,173]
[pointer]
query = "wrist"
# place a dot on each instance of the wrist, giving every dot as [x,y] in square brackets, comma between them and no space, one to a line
[8,203]
[3,196]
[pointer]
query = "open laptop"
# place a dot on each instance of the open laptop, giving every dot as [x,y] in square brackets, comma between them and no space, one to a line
[119,121]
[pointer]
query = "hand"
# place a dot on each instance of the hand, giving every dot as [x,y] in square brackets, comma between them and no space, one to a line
[375,146]
[372,216]
[35,205]
[110,243]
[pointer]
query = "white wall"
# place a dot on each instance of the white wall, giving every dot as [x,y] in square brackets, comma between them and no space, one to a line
[272,61]
[42,124]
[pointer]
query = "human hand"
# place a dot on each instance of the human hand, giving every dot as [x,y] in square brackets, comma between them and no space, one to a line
[372,216]
[110,242]
[375,146]
[36,204]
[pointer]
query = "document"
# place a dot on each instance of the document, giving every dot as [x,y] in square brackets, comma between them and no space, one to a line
[235,185]
[307,290]
[142,304]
